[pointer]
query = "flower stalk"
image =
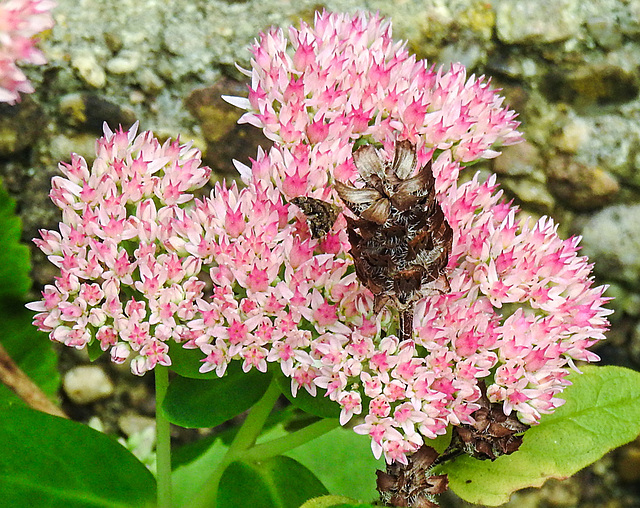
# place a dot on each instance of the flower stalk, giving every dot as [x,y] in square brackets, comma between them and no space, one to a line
[163,441]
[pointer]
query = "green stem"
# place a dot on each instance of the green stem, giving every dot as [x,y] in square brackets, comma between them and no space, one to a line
[245,438]
[163,441]
[252,426]
[290,441]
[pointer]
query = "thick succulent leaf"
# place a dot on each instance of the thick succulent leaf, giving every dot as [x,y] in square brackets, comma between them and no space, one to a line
[187,362]
[335,502]
[53,462]
[14,256]
[30,349]
[602,412]
[343,461]
[190,477]
[278,482]
[209,402]
[318,406]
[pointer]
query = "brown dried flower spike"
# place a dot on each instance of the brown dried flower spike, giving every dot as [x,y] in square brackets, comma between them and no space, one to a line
[493,434]
[412,484]
[400,240]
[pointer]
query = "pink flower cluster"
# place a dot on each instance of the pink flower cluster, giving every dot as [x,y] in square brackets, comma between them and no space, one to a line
[20,21]
[521,307]
[322,88]
[122,285]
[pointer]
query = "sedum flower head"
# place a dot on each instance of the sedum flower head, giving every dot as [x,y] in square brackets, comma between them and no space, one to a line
[522,307]
[20,21]
[122,285]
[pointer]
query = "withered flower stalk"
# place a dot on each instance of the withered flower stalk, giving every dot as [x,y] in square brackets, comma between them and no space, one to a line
[400,238]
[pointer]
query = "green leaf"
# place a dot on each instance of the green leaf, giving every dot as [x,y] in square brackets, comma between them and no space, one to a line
[14,257]
[209,402]
[189,476]
[278,482]
[30,349]
[334,502]
[53,462]
[343,461]
[602,412]
[94,350]
[318,406]
[187,362]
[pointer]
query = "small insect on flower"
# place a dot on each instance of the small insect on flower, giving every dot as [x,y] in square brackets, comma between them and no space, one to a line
[400,238]
[321,215]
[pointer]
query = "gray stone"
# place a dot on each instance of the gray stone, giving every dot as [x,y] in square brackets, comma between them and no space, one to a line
[86,384]
[89,69]
[132,423]
[611,239]
[530,192]
[522,159]
[605,31]
[612,144]
[574,134]
[544,21]
[125,63]
[580,186]
[21,126]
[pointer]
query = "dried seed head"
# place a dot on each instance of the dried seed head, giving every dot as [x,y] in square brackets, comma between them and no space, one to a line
[400,240]
[493,433]
[412,484]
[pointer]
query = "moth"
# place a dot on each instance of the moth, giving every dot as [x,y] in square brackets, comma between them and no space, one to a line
[321,215]
[400,239]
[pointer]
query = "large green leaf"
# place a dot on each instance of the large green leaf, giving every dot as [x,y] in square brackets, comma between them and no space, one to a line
[51,462]
[335,502]
[29,348]
[343,461]
[209,402]
[278,482]
[602,412]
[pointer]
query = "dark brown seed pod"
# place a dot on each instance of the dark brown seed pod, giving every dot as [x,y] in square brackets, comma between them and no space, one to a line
[412,484]
[493,434]
[400,238]
[321,215]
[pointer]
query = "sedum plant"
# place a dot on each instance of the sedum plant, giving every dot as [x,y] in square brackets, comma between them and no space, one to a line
[354,273]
